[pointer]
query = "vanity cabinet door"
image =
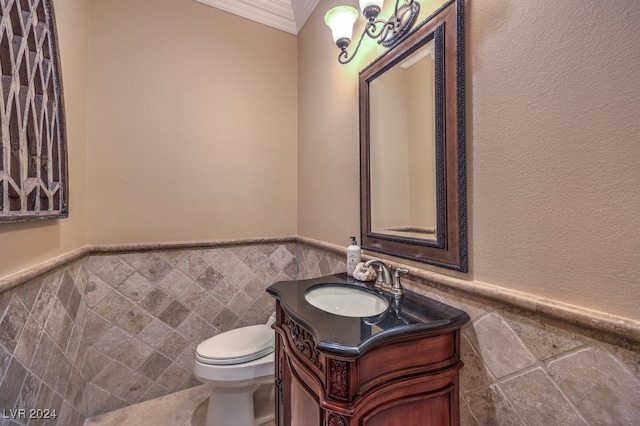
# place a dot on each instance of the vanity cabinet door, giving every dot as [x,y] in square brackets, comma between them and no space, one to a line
[296,403]
[305,410]
[438,409]
[295,406]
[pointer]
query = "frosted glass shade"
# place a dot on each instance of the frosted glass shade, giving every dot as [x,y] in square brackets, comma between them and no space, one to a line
[366,3]
[341,19]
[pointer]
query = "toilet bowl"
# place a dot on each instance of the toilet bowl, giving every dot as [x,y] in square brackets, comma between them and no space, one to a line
[239,364]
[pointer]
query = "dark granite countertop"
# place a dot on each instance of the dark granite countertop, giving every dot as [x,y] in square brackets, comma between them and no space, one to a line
[355,335]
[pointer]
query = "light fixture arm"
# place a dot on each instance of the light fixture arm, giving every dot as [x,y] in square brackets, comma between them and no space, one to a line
[372,26]
[387,32]
[343,56]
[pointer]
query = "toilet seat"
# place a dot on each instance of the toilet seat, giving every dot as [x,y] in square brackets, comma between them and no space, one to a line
[239,366]
[237,346]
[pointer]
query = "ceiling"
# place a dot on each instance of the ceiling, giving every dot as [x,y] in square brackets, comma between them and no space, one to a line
[285,15]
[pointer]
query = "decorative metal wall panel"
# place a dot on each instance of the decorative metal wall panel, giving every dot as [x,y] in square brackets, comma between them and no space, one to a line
[33,157]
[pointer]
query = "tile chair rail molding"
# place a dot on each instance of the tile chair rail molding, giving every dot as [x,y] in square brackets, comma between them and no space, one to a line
[121,325]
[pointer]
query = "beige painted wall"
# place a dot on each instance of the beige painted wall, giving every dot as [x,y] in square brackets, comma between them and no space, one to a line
[554,184]
[552,92]
[193,121]
[25,244]
[328,170]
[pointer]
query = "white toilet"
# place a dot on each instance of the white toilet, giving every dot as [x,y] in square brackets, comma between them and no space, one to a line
[240,365]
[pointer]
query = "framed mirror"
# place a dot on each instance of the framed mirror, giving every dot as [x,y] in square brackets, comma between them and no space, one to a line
[412,145]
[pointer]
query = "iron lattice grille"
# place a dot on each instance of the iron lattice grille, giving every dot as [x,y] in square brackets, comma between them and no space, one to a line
[33,160]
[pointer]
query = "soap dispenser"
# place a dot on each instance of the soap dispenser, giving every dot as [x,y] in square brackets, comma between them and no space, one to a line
[354,253]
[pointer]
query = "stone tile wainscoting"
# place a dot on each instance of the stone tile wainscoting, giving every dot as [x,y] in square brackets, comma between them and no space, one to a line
[112,329]
[147,312]
[525,370]
[40,356]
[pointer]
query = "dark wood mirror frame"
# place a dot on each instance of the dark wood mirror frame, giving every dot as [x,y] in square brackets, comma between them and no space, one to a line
[449,248]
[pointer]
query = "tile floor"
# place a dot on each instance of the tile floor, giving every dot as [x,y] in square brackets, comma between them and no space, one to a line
[184,408]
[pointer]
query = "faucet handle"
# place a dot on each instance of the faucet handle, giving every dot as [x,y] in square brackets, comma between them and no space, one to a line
[401,271]
[397,286]
[380,274]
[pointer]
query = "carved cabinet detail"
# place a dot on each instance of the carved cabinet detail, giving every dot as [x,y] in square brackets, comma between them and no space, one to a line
[338,379]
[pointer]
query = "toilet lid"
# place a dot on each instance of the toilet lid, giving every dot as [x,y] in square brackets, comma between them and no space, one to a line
[237,346]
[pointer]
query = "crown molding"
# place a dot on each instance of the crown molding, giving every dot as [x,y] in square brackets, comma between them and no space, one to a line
[285,15]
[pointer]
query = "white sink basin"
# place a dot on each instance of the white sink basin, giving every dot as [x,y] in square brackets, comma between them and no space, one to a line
[346,301]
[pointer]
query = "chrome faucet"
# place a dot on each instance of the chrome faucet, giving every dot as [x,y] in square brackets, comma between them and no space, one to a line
[384,280]
[384,274]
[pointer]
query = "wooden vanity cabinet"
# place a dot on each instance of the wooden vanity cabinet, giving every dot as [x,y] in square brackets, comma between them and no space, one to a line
[410,380]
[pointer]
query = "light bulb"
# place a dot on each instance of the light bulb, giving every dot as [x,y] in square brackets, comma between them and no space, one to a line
[371,8]
[341,19]
[366,3]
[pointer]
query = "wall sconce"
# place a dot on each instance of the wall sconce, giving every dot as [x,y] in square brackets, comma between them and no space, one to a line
[341,19]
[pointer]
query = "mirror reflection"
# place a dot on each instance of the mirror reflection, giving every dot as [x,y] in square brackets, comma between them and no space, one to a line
[402,148]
